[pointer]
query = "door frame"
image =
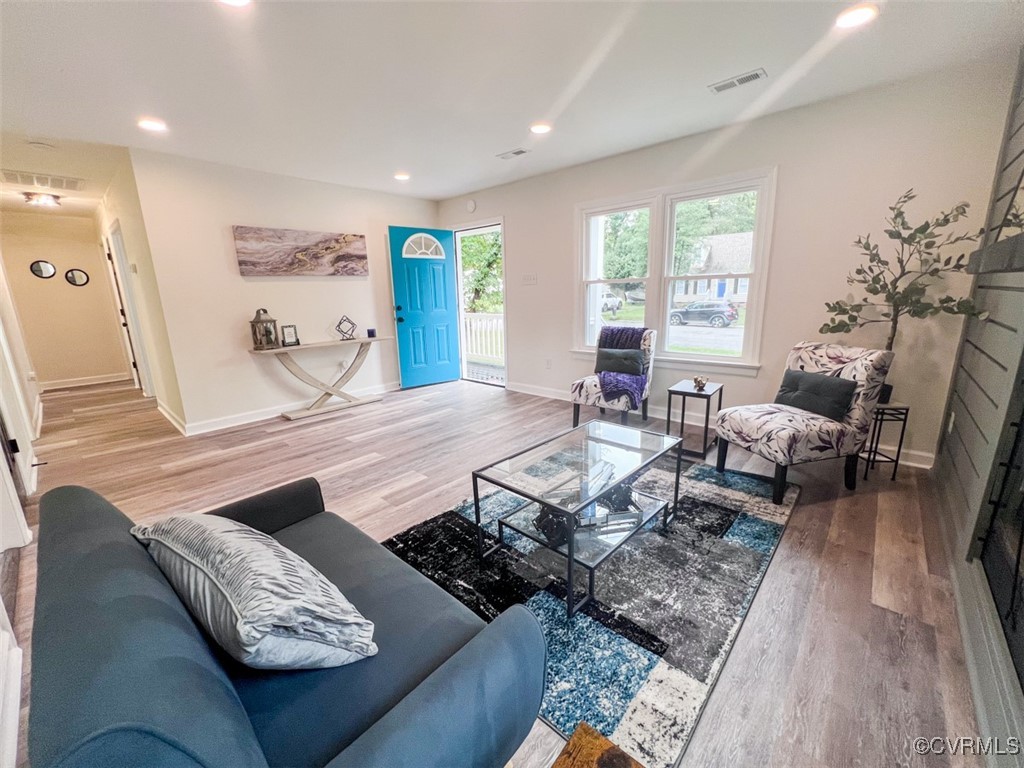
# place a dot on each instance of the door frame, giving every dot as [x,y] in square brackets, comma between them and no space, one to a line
[124,291]
[499,222]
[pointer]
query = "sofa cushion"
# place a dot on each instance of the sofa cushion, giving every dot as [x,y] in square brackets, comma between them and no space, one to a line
[828,396]
[620,361]
[106,619]
[262,603]
[304,718]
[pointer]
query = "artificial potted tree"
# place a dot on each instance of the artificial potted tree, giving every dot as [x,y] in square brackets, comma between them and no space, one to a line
[902,285]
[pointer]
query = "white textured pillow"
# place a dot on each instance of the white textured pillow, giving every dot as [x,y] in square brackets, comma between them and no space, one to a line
[262,603]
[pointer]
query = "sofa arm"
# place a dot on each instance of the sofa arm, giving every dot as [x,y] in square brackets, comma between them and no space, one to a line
[472,712]
[277,508]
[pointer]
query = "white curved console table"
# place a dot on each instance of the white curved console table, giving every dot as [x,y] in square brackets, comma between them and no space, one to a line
[318,406]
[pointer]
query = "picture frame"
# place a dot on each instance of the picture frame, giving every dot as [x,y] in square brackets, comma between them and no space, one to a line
[289,336]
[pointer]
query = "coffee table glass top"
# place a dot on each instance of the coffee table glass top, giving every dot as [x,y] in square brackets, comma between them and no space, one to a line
[572,470]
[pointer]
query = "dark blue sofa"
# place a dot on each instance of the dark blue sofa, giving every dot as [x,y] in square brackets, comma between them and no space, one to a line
[123,677]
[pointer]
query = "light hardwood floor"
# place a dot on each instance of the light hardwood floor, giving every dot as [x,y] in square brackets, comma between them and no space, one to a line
[851,647]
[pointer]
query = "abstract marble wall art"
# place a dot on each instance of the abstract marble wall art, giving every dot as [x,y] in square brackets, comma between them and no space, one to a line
[264,252]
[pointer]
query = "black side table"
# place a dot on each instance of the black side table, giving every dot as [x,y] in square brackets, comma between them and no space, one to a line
[685,389]
[885,413]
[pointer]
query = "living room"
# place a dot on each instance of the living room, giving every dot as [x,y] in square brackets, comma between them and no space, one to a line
[840,123]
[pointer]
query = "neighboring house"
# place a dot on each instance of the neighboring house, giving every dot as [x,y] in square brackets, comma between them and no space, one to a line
[720,257]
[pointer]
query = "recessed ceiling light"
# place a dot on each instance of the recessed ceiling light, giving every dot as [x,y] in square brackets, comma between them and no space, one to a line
[236,3]
[856,15]
[540,128]
[402,176]
[154,124]
[42,199]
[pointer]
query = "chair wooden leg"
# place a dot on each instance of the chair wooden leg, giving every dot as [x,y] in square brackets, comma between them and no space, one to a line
[851,472]
[624,417]
[575,414]
[779,490]
[723,452]
[645,409]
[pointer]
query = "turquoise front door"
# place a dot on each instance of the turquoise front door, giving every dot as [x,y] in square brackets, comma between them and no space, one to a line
[426,305]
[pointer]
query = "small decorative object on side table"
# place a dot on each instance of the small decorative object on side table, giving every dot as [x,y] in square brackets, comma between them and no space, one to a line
[346,328]
[264,331]
[885,413]
[587,748]
[685,389]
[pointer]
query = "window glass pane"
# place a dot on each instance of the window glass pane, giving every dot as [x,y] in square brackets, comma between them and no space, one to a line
[619,304]
[705,324]
[617,244]
[714,235]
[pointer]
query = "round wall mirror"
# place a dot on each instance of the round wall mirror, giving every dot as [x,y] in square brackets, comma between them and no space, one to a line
[43,269]
[76,276]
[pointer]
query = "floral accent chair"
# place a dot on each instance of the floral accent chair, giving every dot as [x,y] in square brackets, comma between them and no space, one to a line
[587,391]
[787,435]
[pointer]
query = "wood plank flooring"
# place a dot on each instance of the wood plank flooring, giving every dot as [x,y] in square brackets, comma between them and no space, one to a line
[851,647]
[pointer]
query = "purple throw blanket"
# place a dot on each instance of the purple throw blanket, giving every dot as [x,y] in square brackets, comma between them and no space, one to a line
[614,385]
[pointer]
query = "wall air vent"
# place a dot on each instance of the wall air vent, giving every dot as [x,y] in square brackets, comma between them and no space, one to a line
[43,180]
[735,82]
[513,153]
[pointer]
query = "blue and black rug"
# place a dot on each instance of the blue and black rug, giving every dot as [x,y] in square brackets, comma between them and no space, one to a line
[638,663]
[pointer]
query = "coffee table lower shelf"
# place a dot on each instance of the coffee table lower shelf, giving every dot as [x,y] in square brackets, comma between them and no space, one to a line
[590,545]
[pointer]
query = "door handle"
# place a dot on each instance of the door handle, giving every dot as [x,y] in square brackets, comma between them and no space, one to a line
[399,319]
[398,308]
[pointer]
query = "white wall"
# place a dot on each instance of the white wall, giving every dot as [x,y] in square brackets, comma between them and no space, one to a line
[120,206]
[189,208]
[22,370]
[840,165]
[71,331]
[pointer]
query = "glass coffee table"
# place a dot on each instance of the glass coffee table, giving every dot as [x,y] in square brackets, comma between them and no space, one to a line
[579,482]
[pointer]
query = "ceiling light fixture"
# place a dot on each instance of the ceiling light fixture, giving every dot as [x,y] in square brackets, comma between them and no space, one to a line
[153,124]
[857,15]
[236,3]
[42,199]
[402,176]
[540,128]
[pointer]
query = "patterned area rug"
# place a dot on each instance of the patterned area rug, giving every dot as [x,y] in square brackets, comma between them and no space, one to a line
[638,663]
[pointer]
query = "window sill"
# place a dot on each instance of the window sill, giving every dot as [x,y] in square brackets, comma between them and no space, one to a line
[731,367]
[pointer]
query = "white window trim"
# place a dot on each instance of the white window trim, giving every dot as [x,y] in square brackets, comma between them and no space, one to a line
[661,202]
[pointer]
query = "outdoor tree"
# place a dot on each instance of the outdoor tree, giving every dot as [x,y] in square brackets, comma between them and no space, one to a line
[697,219]
[481,273]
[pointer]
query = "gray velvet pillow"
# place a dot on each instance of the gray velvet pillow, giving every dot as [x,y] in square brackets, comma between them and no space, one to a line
[620,361]
[263,604]
[827,396]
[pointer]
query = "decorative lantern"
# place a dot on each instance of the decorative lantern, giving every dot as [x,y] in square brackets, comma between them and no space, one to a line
[264,331]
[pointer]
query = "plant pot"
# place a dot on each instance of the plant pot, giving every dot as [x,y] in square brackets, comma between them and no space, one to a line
[885,395]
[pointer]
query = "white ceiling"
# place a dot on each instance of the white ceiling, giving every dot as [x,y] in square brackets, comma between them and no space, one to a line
[349,92]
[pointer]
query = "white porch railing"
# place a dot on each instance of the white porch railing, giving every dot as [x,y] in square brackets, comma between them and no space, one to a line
[484,337]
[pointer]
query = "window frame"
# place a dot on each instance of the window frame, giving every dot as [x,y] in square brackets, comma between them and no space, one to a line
[661,203]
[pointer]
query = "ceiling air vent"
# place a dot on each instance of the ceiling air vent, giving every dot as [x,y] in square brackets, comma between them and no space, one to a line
[736,82]
[44,180]
[513,153]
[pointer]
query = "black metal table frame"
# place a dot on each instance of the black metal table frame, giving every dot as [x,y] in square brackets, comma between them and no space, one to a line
[572,607]
[873,456]
[682,419]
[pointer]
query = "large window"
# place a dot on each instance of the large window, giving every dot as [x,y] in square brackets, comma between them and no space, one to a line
[616,269]
[698,279]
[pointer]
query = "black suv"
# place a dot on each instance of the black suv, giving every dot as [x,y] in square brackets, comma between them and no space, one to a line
[717,314]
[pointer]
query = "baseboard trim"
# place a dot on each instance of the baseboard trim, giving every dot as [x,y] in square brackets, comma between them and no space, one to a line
[530,389]
[82,381]
[998,700]
[168,414]
[192,428]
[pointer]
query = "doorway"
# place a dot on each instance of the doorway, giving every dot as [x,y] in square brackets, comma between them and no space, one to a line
[481,258]
[127,307]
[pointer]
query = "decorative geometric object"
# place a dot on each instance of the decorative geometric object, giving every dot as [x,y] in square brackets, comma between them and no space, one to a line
[638,663]
[264,330]
[699,382]
[346,328]
[264,252]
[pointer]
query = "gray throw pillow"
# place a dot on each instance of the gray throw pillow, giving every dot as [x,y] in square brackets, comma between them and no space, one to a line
[827,396]
[263,604]
[620,361]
